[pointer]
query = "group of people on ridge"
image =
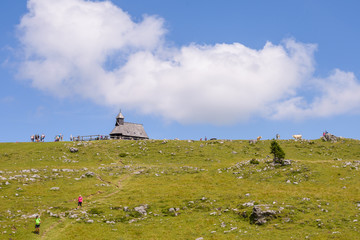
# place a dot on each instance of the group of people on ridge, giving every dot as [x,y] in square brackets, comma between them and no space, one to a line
[37,138]
[59,138]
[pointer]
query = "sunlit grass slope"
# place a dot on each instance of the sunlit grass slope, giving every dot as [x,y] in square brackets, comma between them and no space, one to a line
[159,189]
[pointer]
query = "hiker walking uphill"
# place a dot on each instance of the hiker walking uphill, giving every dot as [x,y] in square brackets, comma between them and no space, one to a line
[37,224]
[80,200]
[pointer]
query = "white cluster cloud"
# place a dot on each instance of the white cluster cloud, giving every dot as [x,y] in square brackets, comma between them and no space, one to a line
[96,51]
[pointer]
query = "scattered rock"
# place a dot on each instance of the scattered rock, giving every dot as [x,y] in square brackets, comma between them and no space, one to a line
[55,189]
[287,220]
[73,150]
[132,220]
[286,162]
[53,214]
[29,216]
[89,174]
[72,216]
[248,204]
[141,209]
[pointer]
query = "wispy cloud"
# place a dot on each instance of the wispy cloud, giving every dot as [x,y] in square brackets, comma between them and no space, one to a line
[7,99]
[337,94]
[68,44]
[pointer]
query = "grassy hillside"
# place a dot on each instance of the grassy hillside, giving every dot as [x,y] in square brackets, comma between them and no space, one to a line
[179,190]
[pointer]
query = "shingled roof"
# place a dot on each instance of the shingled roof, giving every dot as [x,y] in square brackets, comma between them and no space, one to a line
[127,130]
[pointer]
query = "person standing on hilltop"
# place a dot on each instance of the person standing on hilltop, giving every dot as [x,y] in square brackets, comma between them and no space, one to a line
[37,224]
[80,201]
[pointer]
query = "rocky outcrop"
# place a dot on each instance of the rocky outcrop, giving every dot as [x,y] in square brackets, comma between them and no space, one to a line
[260,217]
[329,138]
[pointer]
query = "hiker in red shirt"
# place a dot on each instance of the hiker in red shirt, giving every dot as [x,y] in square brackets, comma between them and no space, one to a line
[80,200]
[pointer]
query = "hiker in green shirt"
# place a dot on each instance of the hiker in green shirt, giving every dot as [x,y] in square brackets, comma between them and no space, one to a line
[37,224]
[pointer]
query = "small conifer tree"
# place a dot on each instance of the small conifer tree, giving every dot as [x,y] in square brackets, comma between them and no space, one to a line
[279,154]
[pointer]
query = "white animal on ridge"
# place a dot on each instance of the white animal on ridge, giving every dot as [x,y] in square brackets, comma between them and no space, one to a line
[297,137]
[252,141]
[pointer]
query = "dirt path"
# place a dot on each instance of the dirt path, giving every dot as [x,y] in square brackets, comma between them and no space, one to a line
[114,184]
[44,234]
[118,185]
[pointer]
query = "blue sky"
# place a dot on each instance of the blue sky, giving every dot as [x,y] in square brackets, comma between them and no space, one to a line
[185,69]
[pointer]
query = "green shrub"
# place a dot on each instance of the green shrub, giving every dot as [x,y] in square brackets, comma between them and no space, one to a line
[134,214]
[95,211]
[275,149]
[254,161]
[123,154]
[121,219]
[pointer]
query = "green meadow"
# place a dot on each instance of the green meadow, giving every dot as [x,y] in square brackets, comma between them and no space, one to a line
[172,189]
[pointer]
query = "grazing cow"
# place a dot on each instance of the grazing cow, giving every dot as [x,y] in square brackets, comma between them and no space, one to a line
[297,137]
[258,138]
